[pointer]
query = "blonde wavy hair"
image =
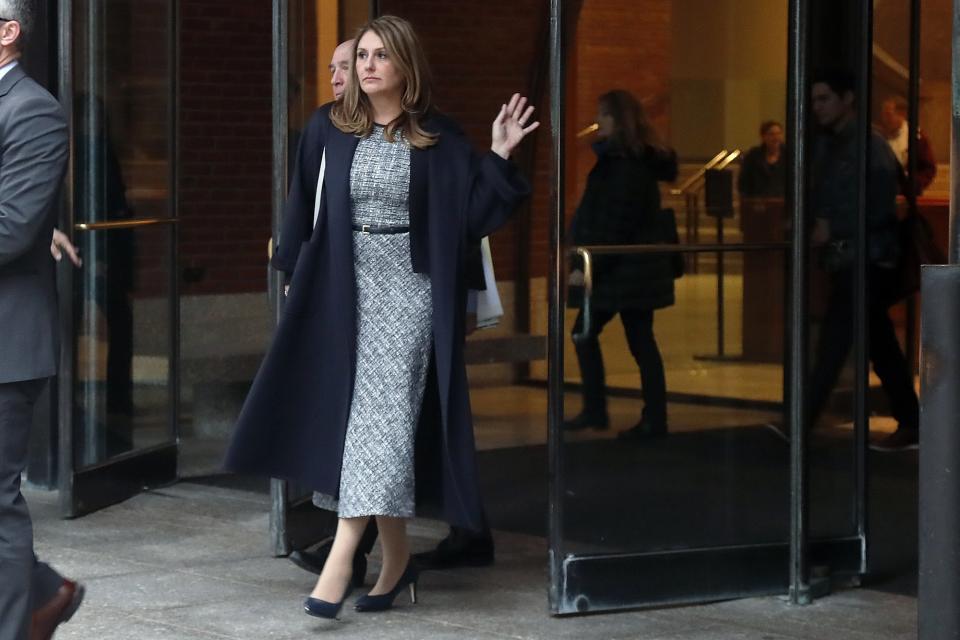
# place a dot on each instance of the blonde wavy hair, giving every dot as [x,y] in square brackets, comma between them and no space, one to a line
[354,114]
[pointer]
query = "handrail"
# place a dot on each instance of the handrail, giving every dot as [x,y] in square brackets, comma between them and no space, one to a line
[123,224]
[588,251]
[588,130]
[646,249]
[710,164]
[730,158]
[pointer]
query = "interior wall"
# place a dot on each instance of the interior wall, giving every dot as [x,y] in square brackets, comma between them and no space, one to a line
[353,15]
[328,37]
[728,73]
[936,40]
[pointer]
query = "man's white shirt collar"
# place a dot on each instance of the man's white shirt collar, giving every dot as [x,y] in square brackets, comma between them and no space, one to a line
[6,68]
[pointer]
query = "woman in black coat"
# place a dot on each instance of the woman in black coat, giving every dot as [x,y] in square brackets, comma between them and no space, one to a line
[363,393]
[621,205]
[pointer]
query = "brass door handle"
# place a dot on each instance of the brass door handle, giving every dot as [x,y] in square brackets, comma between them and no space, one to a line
[123,224]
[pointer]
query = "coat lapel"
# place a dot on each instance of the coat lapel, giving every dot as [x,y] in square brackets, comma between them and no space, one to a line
[340,150]
[13,77]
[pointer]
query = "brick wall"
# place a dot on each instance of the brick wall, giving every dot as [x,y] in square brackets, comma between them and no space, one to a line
[225,145]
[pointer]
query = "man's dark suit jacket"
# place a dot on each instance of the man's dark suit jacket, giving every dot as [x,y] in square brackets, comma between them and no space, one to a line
[33,159]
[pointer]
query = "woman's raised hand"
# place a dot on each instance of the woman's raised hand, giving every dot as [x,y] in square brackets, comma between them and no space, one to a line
[510,126]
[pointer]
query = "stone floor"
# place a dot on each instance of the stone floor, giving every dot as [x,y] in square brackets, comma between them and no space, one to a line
[192,562]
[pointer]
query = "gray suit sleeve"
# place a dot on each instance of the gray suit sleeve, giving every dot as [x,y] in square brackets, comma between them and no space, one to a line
[33,159]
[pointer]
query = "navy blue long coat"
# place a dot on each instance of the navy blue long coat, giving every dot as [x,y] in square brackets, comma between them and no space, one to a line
[293,423]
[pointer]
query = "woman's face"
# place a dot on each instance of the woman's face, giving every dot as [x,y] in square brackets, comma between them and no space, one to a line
[378,74]
[605,125]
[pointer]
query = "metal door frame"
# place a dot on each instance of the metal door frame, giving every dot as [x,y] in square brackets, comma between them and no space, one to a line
[83,490]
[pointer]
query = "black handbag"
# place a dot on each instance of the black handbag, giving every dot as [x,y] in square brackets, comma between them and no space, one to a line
[667,228]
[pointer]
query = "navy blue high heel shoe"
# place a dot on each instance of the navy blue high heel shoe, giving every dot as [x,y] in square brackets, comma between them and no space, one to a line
[323,609]
[384,601]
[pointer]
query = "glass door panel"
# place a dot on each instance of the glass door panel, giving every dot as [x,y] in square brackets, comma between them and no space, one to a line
[122,355]
[671,436]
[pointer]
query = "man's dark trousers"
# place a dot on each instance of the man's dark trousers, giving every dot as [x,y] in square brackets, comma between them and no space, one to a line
[26,583]
[836,339]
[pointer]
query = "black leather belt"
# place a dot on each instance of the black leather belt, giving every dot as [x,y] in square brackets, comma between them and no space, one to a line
[381,228]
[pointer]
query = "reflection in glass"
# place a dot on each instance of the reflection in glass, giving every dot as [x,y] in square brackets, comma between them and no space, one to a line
[717,473]
[123,348]
[122,116]
[621,205]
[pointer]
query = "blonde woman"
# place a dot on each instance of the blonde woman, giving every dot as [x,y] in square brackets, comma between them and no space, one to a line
[363,395]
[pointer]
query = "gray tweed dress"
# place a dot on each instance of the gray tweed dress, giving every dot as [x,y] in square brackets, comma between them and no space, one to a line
[394,326]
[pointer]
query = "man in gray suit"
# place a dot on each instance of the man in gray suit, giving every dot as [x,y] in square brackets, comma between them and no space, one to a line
[34,598]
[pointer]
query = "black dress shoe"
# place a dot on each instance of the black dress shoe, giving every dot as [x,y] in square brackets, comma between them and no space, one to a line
[314,561]
[586,421]
[459,549]
[644,430]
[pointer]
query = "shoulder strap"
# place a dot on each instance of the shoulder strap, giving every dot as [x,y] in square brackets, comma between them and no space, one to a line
[316,201]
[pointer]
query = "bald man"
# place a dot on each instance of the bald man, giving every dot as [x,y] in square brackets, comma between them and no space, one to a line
[340,68]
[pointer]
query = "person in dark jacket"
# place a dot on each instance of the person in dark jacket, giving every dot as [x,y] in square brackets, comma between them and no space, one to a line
[363,394]
[763,173]
[621,205]
[834,198]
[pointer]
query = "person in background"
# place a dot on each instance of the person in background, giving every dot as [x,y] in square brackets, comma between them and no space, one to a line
[834,202]
[896,130]
[763,173]
[621,205]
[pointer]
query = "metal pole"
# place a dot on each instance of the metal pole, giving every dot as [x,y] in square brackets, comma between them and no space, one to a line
[281,116]
[913,125]
[66,282]
[861,328]
[796,126]
[92,61]
[938,613]
[174,374]
[556,308]
[720,274]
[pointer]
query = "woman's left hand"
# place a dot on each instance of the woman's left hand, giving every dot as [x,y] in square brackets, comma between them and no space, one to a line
[510,127]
